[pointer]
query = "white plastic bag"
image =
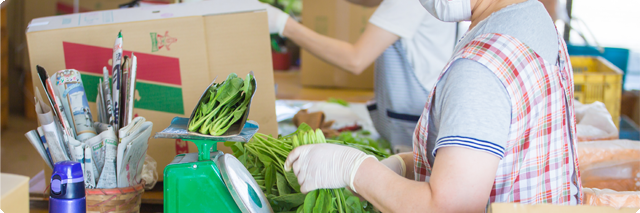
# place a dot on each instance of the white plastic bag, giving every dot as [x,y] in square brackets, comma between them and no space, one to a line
[610,172]
[594,122]
[594,152]
[149,172]
[608,197]
[619,175]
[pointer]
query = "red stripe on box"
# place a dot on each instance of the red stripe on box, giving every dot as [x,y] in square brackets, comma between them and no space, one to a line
[63,8]
[91,59]
[182,147]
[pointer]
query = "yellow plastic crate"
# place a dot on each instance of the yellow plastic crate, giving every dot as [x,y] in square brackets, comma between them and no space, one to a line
[596,79]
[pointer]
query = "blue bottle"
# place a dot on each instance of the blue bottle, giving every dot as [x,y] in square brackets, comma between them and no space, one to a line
[67,188]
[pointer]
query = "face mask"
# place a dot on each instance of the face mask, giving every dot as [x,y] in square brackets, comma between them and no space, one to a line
[449,10]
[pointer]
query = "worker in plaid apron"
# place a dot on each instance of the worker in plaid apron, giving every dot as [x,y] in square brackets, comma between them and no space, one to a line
[498,126]
[532,169]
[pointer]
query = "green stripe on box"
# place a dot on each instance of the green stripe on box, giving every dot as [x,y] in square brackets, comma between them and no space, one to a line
[152,96]
[159,98]
[90,83]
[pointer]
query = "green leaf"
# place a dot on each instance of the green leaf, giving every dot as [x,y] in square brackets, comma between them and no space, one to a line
[293,181]
[338,101]
[229,90]
[353,204]
[281,183]
[310,201]
[269,178]
[304,127]
[320,136]
[265,159]
[320,202]
[293,200]
[295,142]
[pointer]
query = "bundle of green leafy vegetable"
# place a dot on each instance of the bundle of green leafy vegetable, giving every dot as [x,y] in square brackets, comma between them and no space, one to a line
[264,157]
[361,139]
[223,105]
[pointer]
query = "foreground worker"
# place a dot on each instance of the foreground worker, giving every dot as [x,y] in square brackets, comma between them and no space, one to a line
[499,125]
[410,48]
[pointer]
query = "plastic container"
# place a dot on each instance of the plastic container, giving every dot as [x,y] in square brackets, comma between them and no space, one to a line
[118,200]
[281,61]
[617,56]
[596,79]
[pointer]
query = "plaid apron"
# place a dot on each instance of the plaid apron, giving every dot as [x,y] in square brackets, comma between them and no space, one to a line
[535,167]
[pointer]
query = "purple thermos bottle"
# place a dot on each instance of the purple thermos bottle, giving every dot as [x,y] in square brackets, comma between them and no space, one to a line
[67,188]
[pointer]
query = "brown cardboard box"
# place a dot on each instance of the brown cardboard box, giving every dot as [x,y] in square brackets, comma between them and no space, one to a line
[628,104]
[14,193]
[341,20]
[548,208]
[636,111]
[4,68]
[180,49]
[19,13]
[67,7]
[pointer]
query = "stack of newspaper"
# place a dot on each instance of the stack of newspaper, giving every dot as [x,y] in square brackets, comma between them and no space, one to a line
[111,151]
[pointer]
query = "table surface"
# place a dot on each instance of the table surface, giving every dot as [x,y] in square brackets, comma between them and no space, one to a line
[288,87]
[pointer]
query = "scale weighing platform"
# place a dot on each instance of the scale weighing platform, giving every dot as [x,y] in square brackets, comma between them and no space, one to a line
[210,181]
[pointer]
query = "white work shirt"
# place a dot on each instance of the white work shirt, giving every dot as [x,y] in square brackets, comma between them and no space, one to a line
[428,42]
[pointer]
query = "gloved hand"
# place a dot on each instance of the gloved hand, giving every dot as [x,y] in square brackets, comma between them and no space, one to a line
[396,164]
[325,166]
[277,19]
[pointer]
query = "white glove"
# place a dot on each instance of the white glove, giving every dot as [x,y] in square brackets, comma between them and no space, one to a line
[325,166]
[277,19]
[396,164]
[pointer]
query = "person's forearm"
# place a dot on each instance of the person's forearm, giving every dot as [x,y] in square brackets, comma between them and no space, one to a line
[334,51]
[389,192]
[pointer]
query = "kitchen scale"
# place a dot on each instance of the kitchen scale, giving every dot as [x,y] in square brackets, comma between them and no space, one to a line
[210,181]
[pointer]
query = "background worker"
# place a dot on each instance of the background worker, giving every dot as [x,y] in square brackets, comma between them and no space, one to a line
[410,48]
[499,125]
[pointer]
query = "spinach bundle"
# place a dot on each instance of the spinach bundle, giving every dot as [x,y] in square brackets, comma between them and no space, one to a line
[361,141]
[222,105]
[264,157]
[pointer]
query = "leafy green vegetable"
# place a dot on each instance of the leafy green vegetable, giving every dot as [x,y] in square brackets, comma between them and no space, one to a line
[223,105]
[360,140]
[310,201]
[281,183]
[293,181]
[264,157]
[338,101]
[269,178]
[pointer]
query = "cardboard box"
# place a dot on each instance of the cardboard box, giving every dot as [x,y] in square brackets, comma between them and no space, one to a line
[341,20]
[67,6]
[18,14]
[14,193]
[636,111]
[4,68]
[181,48]
[548,208]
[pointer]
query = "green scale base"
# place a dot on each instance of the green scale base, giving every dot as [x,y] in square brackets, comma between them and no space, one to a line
[208,181]
[196,185]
